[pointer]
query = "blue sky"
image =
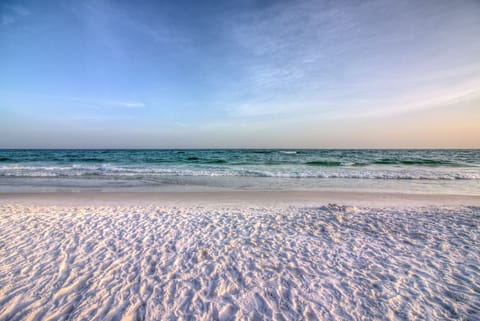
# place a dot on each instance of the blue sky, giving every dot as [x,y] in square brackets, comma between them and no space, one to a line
[160,74]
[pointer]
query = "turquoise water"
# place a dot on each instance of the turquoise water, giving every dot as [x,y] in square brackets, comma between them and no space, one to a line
[447,171]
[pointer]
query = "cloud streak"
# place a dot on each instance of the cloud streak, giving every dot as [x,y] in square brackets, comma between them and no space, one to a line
[79,101]
[101,103]
[314,53]
[13,13]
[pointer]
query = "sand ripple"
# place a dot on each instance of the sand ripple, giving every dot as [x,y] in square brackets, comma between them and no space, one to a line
[175,263]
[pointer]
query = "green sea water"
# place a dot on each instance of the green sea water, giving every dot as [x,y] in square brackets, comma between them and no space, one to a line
[446,171]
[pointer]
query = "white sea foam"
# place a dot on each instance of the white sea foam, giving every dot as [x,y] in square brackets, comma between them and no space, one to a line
[280,171]
[150,262]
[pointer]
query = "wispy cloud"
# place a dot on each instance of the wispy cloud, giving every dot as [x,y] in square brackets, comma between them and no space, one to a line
[83,102]
[8,20]
[119,16]
[312,57]
[109,21]
[13,13]
[123,104]
[20,10]
[102,103]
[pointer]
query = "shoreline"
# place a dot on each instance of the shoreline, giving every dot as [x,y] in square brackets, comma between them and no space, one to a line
[244,198]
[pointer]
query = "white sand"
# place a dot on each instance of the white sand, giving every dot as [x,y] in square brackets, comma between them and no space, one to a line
[138,261]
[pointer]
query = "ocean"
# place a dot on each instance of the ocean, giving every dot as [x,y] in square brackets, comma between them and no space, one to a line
[407,171]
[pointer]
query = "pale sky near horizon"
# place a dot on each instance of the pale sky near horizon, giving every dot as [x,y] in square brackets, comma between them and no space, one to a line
[236,74]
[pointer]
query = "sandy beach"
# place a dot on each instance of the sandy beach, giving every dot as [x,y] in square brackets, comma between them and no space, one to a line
[239,160]
[239,256]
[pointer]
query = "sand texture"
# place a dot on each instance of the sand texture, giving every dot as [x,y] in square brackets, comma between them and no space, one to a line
[152,262]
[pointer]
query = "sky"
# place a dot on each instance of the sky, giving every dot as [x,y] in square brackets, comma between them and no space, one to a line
[240,74]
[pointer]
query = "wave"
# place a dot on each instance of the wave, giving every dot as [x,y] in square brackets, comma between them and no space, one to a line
[155,161]
[268,161]
[216,161]
[323,163]
[212,171]
[86,160]
[261,151]
[370,159]
[296,176]
[199,160]
[416,162]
